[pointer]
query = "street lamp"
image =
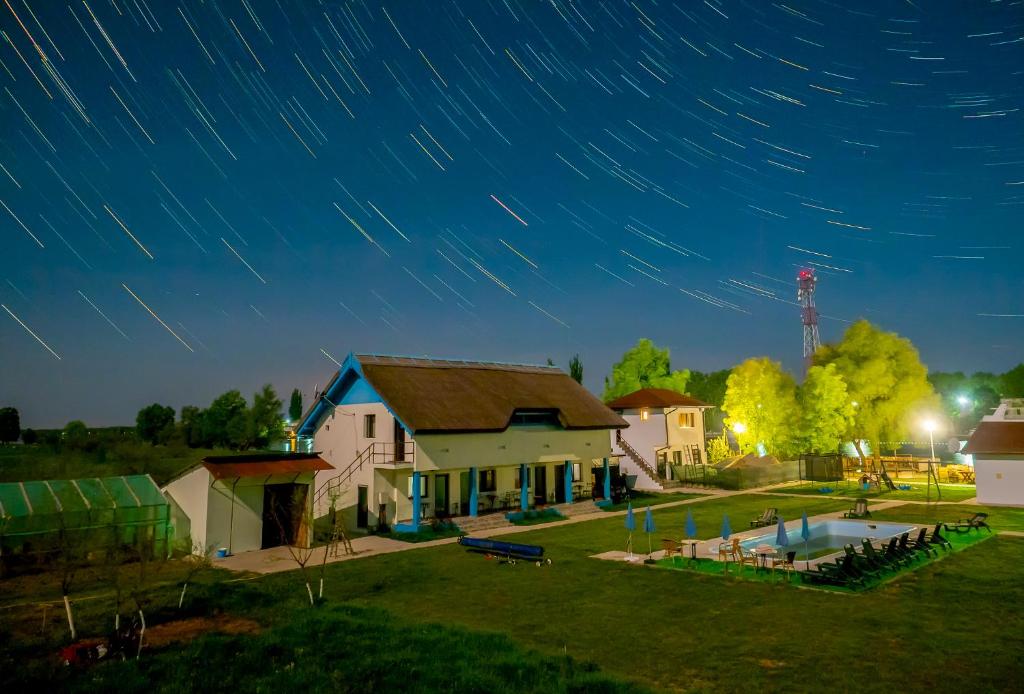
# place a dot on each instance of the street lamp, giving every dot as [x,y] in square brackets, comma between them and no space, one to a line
[963,400]
[930,426]
[739,428]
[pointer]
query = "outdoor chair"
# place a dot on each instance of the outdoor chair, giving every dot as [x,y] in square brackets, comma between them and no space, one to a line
[905,548]
[893,554]
[921,543]
[937,540]
[975,522]
[748,557]
[861,563]
[859,510]
[671,547]
[785,563]
[769,517]
[877,559]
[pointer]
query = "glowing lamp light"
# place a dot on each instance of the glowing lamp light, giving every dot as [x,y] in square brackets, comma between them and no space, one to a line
[739,428]
[963,400]
[929,425]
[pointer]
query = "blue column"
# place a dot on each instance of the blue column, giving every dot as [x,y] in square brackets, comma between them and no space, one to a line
[415,499]
[524,486]
[567,477]
[607,481]
[474,491]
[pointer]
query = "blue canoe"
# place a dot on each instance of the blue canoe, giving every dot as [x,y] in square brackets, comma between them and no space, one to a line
[507,550]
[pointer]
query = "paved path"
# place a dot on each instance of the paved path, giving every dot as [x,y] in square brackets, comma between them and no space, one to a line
[276,559]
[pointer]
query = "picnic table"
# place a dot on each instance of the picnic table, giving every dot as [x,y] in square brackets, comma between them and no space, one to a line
[763,553]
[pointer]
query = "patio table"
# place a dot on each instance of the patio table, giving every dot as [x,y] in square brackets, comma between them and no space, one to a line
[967,475]
[763,553]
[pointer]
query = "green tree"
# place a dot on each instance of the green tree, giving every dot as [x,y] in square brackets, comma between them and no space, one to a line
[885,378]
[709,387]
[265,416]
[295,406]
[644,366]
[826,410]
[718,449]
[154,422]
[75,434]
[191,426]
[1012,382]
[576,369]
[29,437]
[10,425]
[761,406]
[225,409]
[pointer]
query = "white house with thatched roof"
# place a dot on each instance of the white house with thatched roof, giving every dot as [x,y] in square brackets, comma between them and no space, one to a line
[415,439]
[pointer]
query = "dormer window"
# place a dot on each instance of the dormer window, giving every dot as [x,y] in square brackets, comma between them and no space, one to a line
[534,418]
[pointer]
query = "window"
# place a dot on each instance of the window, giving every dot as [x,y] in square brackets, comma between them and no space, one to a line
[677,457]
[686,420]
[370,426]
[489,482]
[423,484]
[644,414]
[577,472]
[534,418]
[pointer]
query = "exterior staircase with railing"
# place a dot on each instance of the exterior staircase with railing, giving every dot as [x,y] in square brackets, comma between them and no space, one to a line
[377,453]
[650,476]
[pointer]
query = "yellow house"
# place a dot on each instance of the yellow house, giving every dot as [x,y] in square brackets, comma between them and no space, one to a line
[414,439]
[666,432]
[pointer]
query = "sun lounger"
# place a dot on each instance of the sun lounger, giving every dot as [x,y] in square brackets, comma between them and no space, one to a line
[893,553]
[770,516]
[975,522]
[904,546]
[937,540]
[860,563]
[877,558]
[859,510]
[921,543]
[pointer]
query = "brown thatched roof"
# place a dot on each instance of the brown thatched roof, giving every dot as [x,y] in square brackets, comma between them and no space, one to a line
[433,396]
[655,397]
[997,438]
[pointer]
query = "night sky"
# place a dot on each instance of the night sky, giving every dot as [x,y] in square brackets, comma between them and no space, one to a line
[199,196]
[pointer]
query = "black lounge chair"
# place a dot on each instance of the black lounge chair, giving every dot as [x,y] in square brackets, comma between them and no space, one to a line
[859,510]
[893,553]
[938,540]
[770,515]
[861,563]
[877,559]
[921,543]
[904,546]
[965,525]
[842,573]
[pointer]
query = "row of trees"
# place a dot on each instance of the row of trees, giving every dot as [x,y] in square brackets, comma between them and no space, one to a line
[870,386]
[229,422]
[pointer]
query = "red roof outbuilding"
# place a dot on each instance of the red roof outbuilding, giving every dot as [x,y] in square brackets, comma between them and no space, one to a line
[264,464]
[654,397]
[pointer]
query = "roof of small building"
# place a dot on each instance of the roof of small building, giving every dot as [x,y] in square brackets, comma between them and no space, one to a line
[655,397]
[263,464]
[433,395]
[997,438]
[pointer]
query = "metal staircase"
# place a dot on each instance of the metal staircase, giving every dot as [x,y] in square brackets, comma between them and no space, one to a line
[377,453]
[638,459]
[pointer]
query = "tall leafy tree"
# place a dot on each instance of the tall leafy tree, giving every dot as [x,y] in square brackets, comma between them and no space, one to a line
[1012,382]
[229,408]
[191,425]
[265,414]
[826,410]
[709,386]
[644,366]
[885,378]
[10,425]
[75,434]
[154,422]
[295,406]
[761,406]
[576,368]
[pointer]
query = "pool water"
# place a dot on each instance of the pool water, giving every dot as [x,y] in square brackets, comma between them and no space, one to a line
[829,537]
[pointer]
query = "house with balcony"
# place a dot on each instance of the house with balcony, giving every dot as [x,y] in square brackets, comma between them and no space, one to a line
[414,439]
[665,434]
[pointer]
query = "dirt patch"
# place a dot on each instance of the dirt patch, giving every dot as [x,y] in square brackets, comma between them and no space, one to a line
[771,664]
[187,629]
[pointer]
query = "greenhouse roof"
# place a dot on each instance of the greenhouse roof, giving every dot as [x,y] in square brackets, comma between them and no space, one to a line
[52,497]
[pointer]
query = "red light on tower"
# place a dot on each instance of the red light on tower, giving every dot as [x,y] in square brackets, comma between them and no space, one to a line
[805,282]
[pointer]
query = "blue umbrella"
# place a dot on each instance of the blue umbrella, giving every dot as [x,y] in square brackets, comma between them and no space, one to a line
[649,528]
[630,526]
[691,525]
[726,529]
[781,538]
[805,533]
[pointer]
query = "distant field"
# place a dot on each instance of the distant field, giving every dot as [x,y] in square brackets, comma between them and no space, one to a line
[40,462]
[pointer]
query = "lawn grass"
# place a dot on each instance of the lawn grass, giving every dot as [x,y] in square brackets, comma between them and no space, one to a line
[427,533]
[644,499]
[653,628]
[534,517]
[917,492]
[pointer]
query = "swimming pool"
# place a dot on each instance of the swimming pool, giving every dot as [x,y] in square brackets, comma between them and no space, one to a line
[829,536]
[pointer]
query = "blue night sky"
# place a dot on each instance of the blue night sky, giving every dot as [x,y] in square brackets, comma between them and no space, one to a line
[500,179]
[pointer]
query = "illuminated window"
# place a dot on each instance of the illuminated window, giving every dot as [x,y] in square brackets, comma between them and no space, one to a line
[370,426]
[644,414]
[686,420]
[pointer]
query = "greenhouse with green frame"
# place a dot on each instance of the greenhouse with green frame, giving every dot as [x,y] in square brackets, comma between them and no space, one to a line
[82,519]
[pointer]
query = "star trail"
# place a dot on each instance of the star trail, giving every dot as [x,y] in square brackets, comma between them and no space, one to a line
[277,181]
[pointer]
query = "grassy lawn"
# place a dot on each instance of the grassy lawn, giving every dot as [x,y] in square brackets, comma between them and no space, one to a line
[533,517]
[443,616]
[917,492]
[426,534]
[645,499]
